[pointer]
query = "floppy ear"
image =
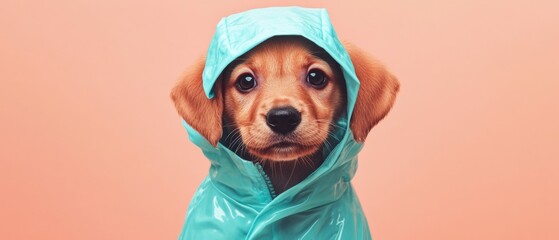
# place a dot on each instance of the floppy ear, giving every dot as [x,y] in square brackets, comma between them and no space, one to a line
[201,113]
[376,94]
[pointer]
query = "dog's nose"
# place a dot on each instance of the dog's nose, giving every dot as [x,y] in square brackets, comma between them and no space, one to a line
[283,119]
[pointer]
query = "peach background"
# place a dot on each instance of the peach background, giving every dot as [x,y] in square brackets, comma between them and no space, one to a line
[91,146]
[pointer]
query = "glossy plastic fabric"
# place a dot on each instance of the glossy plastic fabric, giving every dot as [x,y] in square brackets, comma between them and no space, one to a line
[234,201]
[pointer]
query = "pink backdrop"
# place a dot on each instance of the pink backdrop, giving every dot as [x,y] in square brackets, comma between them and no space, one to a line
[92,148]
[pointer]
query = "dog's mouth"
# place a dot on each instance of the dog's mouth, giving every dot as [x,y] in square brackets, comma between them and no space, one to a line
[283,151]
[284,144]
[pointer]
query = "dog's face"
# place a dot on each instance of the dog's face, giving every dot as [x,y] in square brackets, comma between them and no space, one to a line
[282,98]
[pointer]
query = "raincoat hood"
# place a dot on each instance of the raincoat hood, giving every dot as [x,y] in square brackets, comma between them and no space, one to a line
[237,200]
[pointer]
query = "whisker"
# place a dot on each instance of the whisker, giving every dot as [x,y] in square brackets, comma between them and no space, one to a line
[290,175]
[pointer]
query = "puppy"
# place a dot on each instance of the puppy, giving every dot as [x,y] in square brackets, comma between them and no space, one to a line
[279,103]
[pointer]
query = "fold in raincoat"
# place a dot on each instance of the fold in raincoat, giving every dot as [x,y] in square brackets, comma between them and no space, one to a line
[236,200]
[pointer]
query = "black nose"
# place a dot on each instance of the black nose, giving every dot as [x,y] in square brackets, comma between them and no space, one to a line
[283,119]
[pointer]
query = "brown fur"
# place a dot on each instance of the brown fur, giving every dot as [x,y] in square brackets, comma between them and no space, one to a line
[376,94]
[195,108]
[280,66]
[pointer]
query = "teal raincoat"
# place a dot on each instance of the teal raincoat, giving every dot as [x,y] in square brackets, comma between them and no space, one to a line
[236,200]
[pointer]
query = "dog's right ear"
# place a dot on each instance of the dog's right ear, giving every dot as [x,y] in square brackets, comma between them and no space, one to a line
[376,94]
[201,113]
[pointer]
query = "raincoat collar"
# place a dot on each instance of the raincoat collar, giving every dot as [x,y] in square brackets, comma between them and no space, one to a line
[240,179]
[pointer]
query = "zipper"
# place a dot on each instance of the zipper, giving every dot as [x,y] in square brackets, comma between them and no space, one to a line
[267,180]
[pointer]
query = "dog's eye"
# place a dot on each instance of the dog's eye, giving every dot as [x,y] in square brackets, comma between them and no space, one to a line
[246,82]
[316,78]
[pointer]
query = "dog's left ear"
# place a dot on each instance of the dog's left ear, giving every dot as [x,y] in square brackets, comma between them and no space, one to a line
[376,94]
[195,108]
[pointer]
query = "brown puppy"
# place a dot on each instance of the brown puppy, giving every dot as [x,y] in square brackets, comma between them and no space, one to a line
[278,104]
